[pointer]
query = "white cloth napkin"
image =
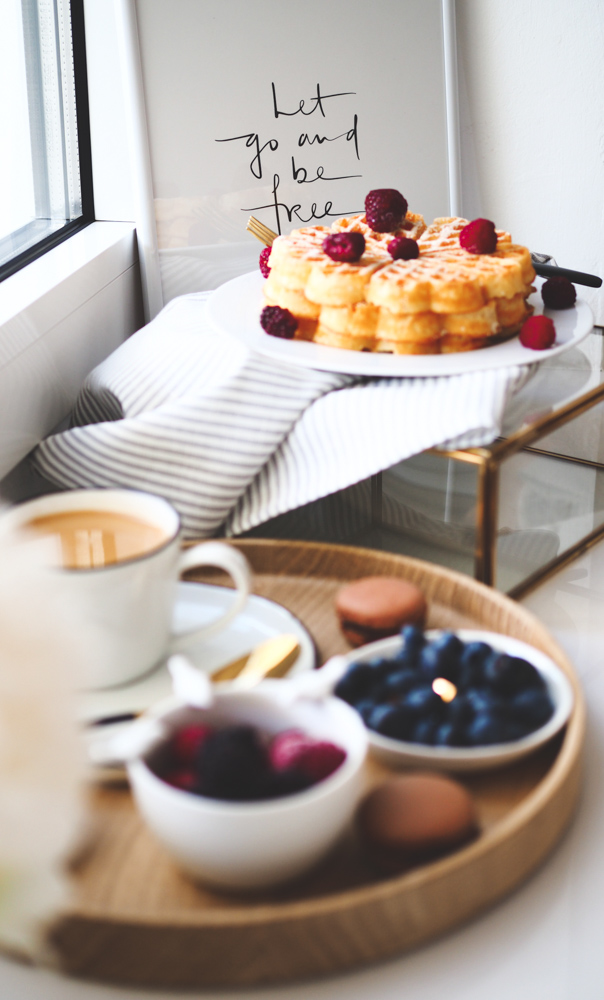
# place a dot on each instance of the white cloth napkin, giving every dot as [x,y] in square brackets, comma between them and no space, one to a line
[232,438]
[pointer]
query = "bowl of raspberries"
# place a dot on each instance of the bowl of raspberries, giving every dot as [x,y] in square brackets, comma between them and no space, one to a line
[457,701]
[252,791]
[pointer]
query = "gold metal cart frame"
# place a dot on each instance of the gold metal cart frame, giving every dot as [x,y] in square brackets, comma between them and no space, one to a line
[489,459]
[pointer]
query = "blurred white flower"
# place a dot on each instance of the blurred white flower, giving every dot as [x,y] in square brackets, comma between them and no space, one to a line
[42,652]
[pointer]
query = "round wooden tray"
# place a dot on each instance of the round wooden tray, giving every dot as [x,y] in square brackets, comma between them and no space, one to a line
[136,920]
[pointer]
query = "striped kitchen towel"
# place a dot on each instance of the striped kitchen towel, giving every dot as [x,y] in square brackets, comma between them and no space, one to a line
[233,439]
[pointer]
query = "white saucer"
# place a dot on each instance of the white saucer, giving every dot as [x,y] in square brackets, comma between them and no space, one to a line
[197,604]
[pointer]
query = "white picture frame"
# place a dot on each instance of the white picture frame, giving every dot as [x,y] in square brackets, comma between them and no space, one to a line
[223,99]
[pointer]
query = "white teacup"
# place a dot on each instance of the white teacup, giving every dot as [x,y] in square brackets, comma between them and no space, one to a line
[118,556]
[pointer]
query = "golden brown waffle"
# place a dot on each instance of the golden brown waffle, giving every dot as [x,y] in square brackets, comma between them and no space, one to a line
[293,256]
[328,338]
[293,299]
[408,346]
[448,282]
[358,320]
[445,300]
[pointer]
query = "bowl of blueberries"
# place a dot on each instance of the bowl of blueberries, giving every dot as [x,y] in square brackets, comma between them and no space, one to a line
[458,701]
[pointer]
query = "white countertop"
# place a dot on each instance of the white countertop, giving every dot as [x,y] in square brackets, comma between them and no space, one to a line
[542,943]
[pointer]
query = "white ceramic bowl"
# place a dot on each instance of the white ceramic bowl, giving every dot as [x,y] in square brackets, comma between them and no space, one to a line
[400,753]
[246,845]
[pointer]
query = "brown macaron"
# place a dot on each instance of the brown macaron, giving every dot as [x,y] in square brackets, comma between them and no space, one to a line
[378,606]
[416,817]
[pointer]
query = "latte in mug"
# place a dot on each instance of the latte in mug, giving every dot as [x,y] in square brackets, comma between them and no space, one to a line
[90,539]
[116,555]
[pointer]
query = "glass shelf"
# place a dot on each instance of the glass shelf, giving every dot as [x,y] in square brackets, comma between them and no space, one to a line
[508,513]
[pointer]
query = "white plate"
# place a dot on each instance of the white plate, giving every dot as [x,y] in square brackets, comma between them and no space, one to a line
[197,604]
[400,753]
[235,308]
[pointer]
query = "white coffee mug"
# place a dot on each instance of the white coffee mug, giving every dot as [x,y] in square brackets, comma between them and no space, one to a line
[127,605]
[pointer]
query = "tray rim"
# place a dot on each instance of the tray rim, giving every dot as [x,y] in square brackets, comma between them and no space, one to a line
[563,769]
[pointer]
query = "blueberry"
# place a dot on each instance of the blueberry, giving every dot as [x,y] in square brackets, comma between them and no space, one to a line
[431,662]
[510,674]
[476,653]
[375,716]
[231,763]
[471,664]
[460,710]
[532,707]
[485,729]
[425,730]
[400,682]
[450,648]
[365,708]
[380,667]
[449,735]
[483,700]
[392,720]
[422,701]
[413,643]
[356,683]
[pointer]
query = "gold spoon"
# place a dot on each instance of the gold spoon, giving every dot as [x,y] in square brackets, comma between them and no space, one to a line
[272,658]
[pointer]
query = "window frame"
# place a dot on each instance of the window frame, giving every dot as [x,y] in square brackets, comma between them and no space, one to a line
[68,229]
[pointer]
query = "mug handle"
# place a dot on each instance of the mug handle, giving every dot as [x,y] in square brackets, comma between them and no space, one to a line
[224,557]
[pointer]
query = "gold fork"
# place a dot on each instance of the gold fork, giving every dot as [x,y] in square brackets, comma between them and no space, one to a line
[260,231]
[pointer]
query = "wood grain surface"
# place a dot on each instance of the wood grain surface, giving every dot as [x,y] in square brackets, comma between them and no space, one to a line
[137,920]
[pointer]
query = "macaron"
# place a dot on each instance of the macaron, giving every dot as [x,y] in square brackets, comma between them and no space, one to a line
[416,817]
[378,606]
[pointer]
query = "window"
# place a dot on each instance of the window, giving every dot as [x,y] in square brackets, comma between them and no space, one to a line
[45,167]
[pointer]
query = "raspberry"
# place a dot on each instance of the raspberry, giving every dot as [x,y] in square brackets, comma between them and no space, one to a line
[278,322]
[285,748]
[183,778]
[186,743]
[314,759]
[558,293]
[346,247]
[538,333]
[319,760]
[263,262]
[479,236]
[385,209]
[402,248]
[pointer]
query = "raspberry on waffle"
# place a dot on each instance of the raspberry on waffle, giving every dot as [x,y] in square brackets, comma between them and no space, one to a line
[413,226]
[443,234]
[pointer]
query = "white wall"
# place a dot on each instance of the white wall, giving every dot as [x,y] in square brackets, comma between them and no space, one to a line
[532,112]
[59,317]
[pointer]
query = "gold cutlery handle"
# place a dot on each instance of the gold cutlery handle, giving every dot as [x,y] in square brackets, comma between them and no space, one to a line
[272,658]
[260,231]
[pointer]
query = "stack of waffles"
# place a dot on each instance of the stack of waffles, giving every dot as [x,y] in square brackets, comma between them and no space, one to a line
[443,301]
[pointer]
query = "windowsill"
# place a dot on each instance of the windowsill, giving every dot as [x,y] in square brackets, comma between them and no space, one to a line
[22,289]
